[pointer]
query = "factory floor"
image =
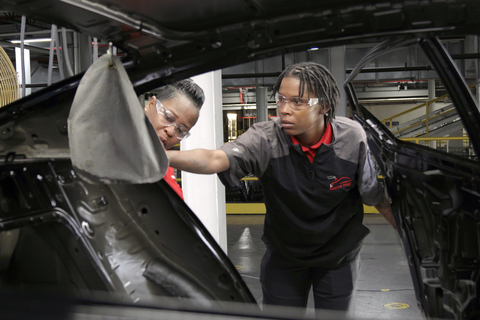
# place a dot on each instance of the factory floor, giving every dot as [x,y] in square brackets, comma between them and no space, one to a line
[384,287]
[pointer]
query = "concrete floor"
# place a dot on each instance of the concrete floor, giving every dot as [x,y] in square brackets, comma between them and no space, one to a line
[384,287]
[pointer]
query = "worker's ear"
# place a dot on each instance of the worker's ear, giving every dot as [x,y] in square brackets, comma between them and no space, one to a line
[151,103]
[324,108]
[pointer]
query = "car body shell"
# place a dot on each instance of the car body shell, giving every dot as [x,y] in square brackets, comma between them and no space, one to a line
[103,233]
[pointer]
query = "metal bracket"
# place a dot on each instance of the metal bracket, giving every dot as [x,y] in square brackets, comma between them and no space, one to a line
[111,65]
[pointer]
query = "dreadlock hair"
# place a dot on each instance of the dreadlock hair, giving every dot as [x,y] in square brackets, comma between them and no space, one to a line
[317,80]
[186,87]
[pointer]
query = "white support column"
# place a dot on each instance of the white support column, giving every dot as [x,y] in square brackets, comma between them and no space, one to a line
[205,194]
[338,70]
[431,93]
[95,50]
[18,62]
[262,105]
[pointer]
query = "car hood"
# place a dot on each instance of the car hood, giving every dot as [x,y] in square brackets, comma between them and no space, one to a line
[165,41]
[170,40]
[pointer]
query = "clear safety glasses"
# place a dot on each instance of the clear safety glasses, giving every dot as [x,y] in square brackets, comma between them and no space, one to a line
[295,103]
[169,119]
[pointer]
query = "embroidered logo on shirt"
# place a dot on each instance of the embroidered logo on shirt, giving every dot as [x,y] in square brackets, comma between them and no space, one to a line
[235,149]
[339,183]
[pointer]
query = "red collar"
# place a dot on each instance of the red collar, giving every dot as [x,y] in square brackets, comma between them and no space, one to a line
[326,139]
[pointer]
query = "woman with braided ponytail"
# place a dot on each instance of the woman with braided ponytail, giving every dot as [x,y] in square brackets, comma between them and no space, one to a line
[316,174]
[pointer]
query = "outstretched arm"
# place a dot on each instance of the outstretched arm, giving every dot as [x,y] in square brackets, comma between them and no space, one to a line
[385,210]
[199,160]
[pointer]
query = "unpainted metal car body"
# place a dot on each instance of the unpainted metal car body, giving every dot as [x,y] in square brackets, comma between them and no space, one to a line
[61,234]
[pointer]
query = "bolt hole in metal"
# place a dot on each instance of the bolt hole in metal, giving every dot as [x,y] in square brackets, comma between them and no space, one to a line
[143,210]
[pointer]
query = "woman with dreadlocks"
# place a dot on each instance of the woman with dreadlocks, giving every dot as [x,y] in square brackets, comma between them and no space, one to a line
[316,174]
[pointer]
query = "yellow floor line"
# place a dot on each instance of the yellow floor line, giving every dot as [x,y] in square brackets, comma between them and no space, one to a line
[259,208]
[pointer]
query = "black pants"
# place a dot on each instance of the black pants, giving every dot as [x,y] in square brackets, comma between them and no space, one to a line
[288,284]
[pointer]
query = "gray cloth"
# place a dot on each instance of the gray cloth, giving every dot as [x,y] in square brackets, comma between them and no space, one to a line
[111,139]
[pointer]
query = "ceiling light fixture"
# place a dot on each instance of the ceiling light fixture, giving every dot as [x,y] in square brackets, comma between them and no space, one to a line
[32,40]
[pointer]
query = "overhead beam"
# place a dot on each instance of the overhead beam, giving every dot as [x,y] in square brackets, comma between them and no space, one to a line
[411,93]
[17,45]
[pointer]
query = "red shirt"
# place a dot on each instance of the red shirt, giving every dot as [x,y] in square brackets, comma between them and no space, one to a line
[170,179]
[326,139]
